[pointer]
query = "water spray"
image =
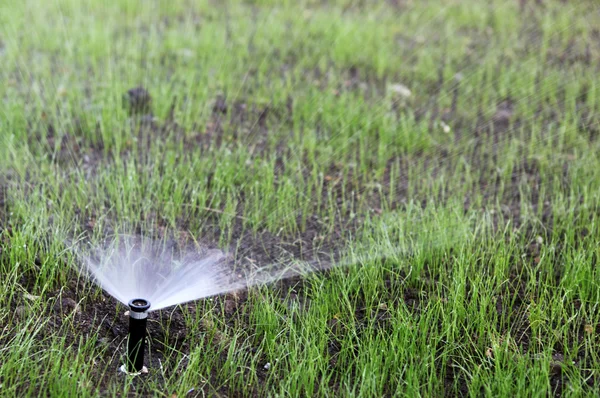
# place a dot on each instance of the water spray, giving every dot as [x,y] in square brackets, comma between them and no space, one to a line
[136,344]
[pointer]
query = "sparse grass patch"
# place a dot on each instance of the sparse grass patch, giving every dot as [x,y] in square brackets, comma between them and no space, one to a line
[444,153]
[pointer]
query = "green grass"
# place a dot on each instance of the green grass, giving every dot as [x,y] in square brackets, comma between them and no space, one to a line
[466,214]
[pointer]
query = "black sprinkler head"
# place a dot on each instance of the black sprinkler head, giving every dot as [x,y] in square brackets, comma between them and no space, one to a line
[138,314]
[139,305]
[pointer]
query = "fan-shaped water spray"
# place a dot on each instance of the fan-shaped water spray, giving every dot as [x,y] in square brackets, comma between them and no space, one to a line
[167,274]
[128,269]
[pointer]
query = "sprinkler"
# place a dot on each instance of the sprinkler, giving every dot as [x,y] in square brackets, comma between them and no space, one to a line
[138,314]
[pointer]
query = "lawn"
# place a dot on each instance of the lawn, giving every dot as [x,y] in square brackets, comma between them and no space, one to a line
[434,164]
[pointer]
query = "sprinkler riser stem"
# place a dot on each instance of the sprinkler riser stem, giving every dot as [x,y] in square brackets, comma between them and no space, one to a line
[136,344]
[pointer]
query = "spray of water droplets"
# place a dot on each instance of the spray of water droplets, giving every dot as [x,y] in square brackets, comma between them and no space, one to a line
[166,275]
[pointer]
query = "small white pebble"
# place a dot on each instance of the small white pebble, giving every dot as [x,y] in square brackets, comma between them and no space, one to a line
[445,128]
[539,240]
[267,366]
[186,53]
[400,89]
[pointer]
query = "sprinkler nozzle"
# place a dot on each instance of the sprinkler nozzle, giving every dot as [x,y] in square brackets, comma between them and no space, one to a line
[138,314]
